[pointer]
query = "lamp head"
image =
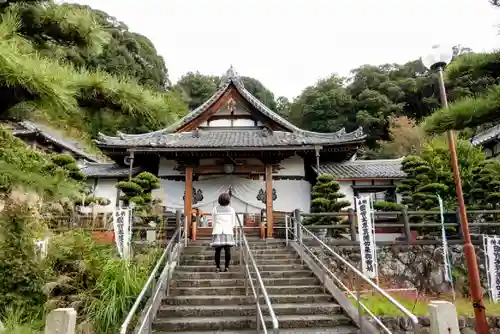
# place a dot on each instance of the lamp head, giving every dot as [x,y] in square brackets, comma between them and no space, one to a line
[438,57]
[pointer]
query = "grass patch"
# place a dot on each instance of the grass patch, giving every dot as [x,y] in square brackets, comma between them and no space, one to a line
[381,306]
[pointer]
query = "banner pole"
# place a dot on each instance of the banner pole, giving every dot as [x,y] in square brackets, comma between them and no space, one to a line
[446,260]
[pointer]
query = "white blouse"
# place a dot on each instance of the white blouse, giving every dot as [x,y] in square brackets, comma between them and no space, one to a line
[223,220]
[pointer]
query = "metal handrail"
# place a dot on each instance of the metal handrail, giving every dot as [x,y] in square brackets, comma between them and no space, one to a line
[260,288]
[298,230]
[156,286]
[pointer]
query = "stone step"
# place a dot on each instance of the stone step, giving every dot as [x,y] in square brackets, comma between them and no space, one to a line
[260,267]
[235,260]
[246,322]
[335,330]
[216,282]
[264,256]
[205,244]
[240,290]
[246,300]
[180,275]
[204,250]
[178,311]
[238,274]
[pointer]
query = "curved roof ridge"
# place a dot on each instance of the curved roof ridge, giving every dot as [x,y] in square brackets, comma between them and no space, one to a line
[373,162]
[231,77]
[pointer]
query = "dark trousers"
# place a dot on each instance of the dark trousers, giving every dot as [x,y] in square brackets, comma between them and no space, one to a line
[227,253]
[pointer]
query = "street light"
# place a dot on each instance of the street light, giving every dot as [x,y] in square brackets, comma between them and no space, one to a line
[437,60]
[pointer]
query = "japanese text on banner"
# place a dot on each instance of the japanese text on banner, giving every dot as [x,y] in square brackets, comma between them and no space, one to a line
[366,237]
[493,251]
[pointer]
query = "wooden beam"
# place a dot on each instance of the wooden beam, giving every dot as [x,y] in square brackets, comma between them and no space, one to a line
[188,198]
[269,200]
[207,113]
[247,169]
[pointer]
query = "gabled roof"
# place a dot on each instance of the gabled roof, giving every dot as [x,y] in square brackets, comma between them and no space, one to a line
[107,170]
[364,169]
[486,136]
[171,138]
[25,128]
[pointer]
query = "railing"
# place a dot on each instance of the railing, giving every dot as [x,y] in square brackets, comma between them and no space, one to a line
[293,226]
[156,286]
[258,290]
[480,222]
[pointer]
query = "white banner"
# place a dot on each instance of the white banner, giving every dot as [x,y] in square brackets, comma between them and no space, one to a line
[493,253]
[123,231]
[366,236]
[446,260]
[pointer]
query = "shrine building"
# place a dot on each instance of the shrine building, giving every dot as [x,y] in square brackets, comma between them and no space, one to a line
[233,142]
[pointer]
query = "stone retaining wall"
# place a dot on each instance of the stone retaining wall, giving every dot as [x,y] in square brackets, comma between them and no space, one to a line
[410,266]
[403,325]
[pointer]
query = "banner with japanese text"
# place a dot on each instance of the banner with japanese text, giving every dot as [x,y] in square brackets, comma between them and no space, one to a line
[123,234]
[366,236]
[493,263]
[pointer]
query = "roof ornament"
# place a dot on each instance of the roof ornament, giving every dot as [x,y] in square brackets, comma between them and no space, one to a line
[231,105]
[231,76]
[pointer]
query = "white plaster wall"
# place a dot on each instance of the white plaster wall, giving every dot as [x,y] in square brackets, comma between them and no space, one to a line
[346,189]
[166,168]
[293,166]
[105,188]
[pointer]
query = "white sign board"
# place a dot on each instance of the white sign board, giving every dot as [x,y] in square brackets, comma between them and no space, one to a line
[366,237]
[123,231]
[493,262]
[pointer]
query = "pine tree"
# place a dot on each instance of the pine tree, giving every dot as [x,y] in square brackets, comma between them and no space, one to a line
[420,187]
[326,198]
[139,189]
[485,193]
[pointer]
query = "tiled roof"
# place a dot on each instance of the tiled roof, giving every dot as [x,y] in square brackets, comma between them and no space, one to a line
[107,170]
[232,138]
[221,138]
[486,135]
[364,169]
[28,128]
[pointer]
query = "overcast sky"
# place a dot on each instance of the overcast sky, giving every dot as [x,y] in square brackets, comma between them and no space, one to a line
[290,44]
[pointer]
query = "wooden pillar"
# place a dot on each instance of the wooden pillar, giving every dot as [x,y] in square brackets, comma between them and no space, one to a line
[269,200]
[188,198]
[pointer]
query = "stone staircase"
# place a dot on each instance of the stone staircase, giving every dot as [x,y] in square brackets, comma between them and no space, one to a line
[203,301]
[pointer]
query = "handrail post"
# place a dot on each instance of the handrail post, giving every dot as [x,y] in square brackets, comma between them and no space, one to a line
[296,215]
[286,229]
[352,223]
[406,223]
[178,224]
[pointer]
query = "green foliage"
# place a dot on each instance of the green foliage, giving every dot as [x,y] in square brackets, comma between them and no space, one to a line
[387,206]
[138,190]
[23,275]
[430,174]
[326,198]
[35,83]
[91,278]
[473,79]
[485,193]
[23,167]
[196,88]
[324,107]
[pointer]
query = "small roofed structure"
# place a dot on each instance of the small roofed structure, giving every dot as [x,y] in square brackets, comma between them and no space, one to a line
[360,177]
[233,141]
[489,140]
[43,137]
